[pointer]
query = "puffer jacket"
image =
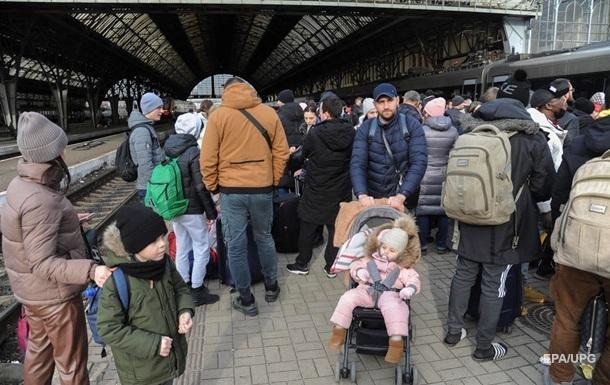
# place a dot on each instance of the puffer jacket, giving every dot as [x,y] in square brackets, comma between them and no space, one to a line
[584,122]
[569,123]
[154,308]
[410,110]
[532,167]
[372,170]
[327,150]
[44,252]
[440,136]
[291,116]
[235,158]
[184,147]
[456,117]
[144,146]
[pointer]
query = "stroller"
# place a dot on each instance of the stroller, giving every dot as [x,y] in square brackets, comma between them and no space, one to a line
[368,327]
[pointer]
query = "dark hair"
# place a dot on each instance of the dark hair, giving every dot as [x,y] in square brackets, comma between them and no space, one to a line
[310,108]
[232,80]
[205,105]
[55,174]
[333,106]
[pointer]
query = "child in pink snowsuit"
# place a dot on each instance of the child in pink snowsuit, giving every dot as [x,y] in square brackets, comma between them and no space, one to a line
[390,247]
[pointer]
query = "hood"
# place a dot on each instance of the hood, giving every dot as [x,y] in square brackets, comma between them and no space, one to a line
[336,134]
[240,95]
[597,137]
[292,112]
[114,252]
[439,123]
[176,144]
[136,118]
[412,254]
[502,109]
[527,126]
[34,172]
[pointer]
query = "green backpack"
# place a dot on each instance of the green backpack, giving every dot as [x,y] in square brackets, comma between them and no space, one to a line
[164,192]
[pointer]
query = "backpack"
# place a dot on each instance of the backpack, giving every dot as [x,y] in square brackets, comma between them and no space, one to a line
[164,192]
[94,293]
[581,237]
[123,163]
[478,189]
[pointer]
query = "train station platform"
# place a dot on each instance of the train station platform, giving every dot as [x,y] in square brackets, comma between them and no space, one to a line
[286,342]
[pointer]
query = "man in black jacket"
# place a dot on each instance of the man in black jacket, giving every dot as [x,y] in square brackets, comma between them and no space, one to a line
[327,151]
[493,249]
[191,228]
[291,116]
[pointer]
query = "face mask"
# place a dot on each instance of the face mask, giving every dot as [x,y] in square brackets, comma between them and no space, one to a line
[559,114]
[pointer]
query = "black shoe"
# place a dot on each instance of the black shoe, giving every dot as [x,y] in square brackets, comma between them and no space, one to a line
[441,250]
[248,309]
[545,271]
[202,296]
[328,272]
[272,292]
[452,339]
[296,268]
[495,352]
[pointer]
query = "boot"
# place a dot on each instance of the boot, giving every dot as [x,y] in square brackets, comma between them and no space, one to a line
[337,339]
[394,353]
[201,296]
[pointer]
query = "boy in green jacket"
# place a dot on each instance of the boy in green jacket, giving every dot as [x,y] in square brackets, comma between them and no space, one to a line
[148,343]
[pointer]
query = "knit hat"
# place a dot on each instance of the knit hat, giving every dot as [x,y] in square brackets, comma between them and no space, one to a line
[516,87]
[457,100]
[150,102]
[540,97]
[395,238]
[139,226]
[559,87]
[39,140]
[367,105]
[286,96]
[189,123]
[598,98]
[436,107]
[584,105]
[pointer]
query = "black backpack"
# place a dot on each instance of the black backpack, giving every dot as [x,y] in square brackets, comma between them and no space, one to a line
[125,167]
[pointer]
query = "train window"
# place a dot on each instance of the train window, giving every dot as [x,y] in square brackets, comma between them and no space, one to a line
[498,80]
[470,88]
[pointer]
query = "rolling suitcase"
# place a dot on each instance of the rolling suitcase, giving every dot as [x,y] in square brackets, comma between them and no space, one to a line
[286,225]
[513,299]
[224,272]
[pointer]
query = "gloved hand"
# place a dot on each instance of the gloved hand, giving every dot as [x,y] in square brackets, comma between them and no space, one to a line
[406,293]
[363,275]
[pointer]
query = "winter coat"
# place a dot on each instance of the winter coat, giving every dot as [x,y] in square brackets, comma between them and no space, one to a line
[291,116]
[144,146]
[327,150]
[440,136]
[235,157]
[569,123]
[456,118]
[532,167]
[184,147]
[372,170]
[549,131]
[584,121]
[44,252]
[154,308]
[583,148]
[411,111]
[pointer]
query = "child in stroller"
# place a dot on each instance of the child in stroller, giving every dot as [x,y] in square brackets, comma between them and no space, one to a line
[386,280]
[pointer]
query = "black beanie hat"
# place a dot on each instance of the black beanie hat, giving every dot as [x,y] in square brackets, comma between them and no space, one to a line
[540,97]
[286,96]
[516,87]
[139,226]
[584,105]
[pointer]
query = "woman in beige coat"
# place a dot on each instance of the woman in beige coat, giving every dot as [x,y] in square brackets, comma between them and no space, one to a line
[45,255]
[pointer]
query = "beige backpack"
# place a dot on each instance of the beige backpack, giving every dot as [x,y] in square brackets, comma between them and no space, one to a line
[581,237]
[478,188]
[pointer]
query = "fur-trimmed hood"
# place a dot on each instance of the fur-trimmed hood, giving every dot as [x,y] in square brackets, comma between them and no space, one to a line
[528,127]
[412,254]
[115,252]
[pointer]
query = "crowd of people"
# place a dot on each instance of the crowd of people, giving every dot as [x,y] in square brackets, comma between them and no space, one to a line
[233,160]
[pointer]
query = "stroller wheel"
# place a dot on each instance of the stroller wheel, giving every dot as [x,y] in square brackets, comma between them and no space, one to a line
[398,378]
[352,372]
[414,376]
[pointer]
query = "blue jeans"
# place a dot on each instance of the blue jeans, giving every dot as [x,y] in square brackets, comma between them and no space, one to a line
[236,209]
[423,222]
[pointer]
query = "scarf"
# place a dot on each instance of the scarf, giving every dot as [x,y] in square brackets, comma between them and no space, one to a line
[151,270]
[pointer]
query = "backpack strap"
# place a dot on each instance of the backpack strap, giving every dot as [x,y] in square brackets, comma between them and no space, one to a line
[404,128]
[258,126]
[122,288]
[516,233]
[372,130]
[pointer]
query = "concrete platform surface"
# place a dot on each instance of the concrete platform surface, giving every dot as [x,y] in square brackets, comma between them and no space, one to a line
[286,343]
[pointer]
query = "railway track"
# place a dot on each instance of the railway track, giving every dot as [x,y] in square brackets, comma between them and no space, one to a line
[102,196]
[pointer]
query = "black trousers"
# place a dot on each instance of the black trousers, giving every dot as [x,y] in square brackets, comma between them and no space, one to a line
[308,235]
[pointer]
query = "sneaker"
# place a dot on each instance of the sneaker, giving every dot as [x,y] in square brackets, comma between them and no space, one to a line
[441,250]
[296,268]
[452,339]
[547,380]
[201,296]
[249,309]
[532,295]
[272,292]
[328,272]
[495,352]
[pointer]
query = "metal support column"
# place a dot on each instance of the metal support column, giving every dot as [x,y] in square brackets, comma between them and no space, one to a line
[8,103]
[61,99]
